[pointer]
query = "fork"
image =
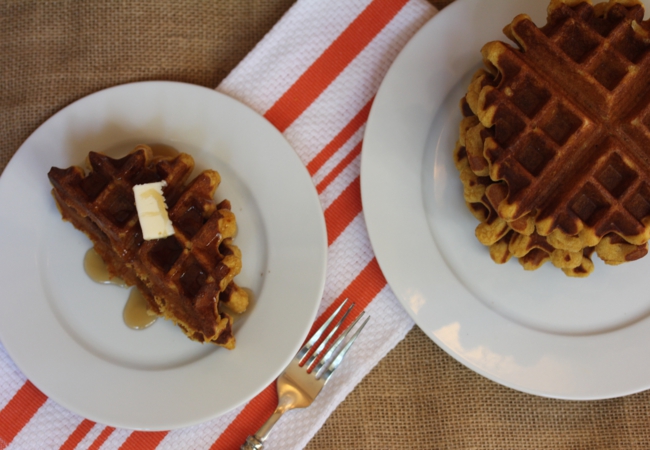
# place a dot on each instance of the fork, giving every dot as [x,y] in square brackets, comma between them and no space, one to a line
[298,386]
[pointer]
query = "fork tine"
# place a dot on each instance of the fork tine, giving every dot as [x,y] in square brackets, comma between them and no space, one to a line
[323,344]
[327,373]
[328,356]
[305,348]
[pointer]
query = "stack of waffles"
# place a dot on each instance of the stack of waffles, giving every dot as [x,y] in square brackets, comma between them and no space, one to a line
[554,147]
[186,277]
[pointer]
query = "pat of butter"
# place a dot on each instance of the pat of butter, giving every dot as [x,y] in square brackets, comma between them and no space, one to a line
[152,210]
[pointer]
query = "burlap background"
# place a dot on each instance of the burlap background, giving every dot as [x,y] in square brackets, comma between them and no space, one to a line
[54,52]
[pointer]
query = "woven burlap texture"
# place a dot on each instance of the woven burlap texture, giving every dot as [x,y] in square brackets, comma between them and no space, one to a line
[55,52]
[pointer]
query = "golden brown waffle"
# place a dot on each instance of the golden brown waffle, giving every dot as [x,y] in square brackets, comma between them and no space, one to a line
[184,277]
[555,134]
[519,238]
[504,239]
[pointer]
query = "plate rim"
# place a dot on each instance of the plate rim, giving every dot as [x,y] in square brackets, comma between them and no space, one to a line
[378,129]
[318,246]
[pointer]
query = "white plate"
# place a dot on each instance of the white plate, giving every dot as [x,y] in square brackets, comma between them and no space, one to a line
[66,332]
[539,332]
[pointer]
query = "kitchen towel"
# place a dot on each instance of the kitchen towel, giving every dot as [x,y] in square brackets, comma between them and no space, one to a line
[314,76]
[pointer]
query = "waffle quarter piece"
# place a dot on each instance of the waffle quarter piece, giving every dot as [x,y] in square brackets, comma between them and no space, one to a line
[186,277]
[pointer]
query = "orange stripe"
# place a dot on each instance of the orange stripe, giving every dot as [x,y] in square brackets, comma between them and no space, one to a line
[344,135]
[77,435]
[332,62]
[19,411]
[249,420]
[143,440]
[356,151]
[362,290]
[343,210]
[106,432]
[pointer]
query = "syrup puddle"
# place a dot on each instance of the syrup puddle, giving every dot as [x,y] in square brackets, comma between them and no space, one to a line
[136,311]
[135,314]
[96,269]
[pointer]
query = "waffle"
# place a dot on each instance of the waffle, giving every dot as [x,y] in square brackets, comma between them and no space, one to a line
[503,240]
[552,143]
[186,277]
[519,238]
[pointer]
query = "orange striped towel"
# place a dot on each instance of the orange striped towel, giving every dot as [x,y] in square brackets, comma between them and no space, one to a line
[314,76]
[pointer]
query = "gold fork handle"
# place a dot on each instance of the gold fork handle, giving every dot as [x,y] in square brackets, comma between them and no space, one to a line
[256,442]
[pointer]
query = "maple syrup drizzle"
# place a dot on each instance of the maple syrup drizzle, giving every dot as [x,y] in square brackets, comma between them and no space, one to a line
[136,311]
[95,268]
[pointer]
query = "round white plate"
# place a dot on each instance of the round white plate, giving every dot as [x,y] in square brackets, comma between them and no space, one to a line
[66,333]
[539,332]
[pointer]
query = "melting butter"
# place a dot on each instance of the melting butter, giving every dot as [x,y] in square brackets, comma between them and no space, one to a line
[152,210]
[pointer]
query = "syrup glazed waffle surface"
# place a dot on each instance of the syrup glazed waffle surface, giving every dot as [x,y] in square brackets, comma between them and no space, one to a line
[554,149]
[185,277]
